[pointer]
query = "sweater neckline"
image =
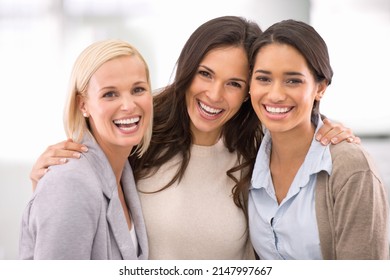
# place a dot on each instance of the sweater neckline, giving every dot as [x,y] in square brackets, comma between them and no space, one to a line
[205,151]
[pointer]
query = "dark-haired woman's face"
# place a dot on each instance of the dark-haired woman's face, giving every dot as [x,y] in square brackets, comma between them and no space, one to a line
[283,89]
[217,92]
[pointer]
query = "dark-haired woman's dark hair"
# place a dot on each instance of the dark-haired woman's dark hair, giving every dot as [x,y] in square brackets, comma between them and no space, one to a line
[171,126]
[306,40]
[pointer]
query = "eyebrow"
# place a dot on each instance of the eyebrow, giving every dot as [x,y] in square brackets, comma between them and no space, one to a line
[263,72]
[291,73]
[140,82]
[294,73]
[234,79]
[107,88]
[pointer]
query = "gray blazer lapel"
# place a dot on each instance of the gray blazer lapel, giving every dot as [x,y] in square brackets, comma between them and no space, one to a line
[134,204]
[115,216]
[119,228]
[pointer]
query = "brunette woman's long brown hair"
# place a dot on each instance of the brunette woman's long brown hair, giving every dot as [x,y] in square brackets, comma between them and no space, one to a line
[171,125]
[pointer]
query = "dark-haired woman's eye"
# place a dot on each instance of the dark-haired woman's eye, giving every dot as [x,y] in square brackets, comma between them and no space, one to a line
[204,73]
[236,84]
[263,79]
[293,81]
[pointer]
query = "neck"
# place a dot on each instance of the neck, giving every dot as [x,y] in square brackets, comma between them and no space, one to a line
[292,146]
[208,138]
[118,164]
[288,153]
[117,158]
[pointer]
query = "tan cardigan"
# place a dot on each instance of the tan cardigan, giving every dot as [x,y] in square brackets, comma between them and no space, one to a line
[352,207]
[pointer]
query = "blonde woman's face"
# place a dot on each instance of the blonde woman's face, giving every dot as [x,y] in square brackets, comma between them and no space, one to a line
[119,103]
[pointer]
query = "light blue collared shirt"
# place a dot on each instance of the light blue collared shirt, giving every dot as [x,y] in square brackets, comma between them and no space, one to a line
[288,230]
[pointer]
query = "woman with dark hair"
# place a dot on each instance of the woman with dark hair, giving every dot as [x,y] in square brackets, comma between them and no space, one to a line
[193,180]
[200,150]
[307,201]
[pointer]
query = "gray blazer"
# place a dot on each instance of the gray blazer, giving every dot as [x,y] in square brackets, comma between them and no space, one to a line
[75,212]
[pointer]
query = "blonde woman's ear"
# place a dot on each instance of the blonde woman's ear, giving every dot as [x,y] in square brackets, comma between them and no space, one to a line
[81,105]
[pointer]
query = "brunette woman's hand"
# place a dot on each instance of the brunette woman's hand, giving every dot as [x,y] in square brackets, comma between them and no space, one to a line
[333,132]
[54,155]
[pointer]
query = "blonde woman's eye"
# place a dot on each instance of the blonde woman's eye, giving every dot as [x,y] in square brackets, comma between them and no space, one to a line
[139,90]
[109,94]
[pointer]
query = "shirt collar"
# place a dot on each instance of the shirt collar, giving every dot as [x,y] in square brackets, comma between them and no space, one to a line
[317,159]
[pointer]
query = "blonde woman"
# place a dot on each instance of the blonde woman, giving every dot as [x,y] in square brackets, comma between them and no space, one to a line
[89,208]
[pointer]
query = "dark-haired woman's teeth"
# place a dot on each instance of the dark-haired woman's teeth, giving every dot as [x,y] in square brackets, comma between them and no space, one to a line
[277,110]
[209,110]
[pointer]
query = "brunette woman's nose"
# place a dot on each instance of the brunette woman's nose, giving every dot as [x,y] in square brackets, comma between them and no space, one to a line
[215,93]
[276,93]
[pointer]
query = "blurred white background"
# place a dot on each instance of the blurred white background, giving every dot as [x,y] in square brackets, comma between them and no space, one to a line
[40,39]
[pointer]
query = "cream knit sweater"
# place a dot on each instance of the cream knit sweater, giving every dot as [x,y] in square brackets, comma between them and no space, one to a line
[197,218]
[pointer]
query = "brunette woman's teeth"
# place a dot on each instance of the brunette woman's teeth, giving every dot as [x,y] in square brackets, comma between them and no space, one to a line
[209,110]
[277,110]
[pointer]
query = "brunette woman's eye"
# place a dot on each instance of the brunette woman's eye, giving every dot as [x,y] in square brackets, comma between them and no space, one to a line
[236,84]
[263,79]
[294,81]
[204,73]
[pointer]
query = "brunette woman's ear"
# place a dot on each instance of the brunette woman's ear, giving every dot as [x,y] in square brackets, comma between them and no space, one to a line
[321,90]
[247,97]
[319,96]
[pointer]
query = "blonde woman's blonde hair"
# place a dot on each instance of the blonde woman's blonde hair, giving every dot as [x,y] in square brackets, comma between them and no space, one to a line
[87,63]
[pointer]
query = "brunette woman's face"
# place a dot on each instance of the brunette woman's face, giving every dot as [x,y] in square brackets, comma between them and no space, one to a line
[283,89]
[216,92]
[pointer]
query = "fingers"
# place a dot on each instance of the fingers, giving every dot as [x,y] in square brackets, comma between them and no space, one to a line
[55,155]
[67,146]
[62,150]
[41,166]
[35,175]
[357,140]
[341,134]
[335,133]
